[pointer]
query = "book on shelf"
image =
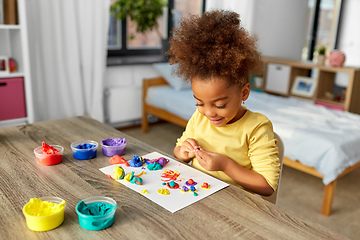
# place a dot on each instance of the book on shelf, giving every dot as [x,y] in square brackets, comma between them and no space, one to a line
[1,12]
[9,12]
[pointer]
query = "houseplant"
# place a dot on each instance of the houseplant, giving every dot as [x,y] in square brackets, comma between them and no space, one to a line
[321,55]
[144,13]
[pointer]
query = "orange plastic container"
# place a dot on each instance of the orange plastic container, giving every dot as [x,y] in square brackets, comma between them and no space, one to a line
[49,159]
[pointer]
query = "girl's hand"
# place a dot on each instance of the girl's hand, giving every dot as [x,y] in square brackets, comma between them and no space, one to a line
[211,161]
[187,150]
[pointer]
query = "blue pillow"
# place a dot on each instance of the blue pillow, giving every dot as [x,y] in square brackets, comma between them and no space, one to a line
[175,82]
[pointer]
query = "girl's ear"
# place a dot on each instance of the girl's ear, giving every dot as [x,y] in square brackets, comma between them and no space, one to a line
[245,92]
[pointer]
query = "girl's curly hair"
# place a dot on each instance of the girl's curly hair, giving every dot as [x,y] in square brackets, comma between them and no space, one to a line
[214,45]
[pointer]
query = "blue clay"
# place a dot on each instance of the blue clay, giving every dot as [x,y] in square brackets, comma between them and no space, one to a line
[137,161]
[87,154]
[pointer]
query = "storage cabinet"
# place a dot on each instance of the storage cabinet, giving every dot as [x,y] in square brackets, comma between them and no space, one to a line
[17,107]
[12,98]
[277,78]
[325,82]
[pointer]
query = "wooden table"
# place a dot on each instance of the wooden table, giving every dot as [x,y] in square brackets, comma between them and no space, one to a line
[228,214]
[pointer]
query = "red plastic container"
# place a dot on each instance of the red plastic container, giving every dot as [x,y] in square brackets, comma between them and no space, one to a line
[49,159]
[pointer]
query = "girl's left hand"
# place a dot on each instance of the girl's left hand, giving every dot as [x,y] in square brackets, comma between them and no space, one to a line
[211,161]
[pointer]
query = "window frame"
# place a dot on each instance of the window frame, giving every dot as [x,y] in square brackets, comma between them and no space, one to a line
[125,52]
[314,28]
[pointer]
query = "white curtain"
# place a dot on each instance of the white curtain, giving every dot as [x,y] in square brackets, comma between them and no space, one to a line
[68,48]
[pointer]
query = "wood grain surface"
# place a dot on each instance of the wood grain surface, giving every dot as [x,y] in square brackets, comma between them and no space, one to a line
[228,214]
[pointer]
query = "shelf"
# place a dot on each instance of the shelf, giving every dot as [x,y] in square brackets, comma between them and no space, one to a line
[13,122]
[327,101]
[8,26]
[11,75]
[326,79]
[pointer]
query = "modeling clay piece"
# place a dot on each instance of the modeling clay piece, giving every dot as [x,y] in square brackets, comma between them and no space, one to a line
[129,176]
[154,166]
[144,191]
[193,189]
[37,208]
[48,149]
[136,180]
[142,173]
[137,161]
[157,164]
[190,182]
[119,172]
[170,175]
[95,208]
[164,191]
[184,189]
[116,159]
[205,186]
[172,185]
[133,178]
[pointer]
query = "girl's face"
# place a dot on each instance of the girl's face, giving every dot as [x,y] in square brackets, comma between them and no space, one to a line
[218,102]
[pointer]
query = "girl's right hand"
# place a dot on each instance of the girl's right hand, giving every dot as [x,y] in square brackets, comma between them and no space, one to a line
[187,150]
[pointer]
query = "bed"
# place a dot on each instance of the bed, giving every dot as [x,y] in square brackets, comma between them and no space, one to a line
[319,141]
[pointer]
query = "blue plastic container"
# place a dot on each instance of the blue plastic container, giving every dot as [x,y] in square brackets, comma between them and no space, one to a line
[84,149]
[97,221]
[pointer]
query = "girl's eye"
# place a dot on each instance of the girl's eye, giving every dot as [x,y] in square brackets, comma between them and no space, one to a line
[199,104]
[223,106]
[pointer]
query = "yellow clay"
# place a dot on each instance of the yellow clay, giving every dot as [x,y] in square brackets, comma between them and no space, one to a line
[37,208]
[43,215]
[164,191]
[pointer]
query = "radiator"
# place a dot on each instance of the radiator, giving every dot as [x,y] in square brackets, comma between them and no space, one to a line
[122,104]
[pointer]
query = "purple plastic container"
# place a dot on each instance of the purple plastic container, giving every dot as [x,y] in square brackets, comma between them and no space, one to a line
[113,146]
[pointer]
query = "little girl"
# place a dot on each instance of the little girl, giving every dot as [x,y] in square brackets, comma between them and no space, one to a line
[223,138]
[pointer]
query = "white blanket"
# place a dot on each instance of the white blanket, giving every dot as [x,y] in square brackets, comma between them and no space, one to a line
[319,137]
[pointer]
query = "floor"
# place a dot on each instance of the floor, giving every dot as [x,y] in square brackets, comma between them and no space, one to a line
[299,192]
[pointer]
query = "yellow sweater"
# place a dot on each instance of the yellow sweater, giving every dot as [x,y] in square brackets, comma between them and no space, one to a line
[249,142]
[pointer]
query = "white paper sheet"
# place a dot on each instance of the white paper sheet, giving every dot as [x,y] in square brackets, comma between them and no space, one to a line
[152,181]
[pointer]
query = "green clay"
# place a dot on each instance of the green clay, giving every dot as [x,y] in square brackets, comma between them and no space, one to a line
[154,166]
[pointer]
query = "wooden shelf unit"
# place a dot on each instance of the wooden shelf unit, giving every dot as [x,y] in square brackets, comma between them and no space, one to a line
[325,82]
[14,44]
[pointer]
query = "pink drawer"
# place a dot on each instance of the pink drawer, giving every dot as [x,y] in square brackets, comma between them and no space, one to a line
[12,98]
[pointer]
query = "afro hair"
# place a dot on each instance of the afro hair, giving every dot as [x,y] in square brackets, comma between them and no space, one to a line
[214,46]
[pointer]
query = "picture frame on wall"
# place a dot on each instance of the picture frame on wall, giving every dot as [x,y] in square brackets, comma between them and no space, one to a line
[304,86]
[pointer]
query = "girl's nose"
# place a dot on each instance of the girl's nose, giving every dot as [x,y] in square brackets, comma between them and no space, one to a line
[210,113]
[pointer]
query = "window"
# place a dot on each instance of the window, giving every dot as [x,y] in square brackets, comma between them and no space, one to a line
[120,42]
[323,21]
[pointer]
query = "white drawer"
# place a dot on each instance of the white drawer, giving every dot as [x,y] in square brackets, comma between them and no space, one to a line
[277,78]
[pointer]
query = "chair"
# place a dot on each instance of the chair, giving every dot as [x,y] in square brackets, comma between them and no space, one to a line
[280,145]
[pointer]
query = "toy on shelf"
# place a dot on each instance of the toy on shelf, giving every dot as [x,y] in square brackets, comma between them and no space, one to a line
[7,65]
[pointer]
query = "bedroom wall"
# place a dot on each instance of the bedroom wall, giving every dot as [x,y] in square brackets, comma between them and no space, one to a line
[279,24]
[281,27]
[349,36]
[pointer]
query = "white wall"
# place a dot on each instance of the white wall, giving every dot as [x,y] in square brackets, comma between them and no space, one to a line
[279,24]
[349,39]
[281,27]
[123,92]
